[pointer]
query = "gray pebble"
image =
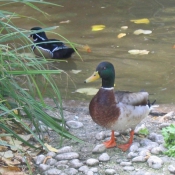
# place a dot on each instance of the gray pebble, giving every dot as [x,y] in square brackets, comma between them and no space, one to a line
[67,156]
[84,169]
[132,155]
[53,171]
[128,168]
[62,167]
[163,125]
[134,147]
[125,163]
[155,162]
[65,149]
[156,150]
[139,159]
[156,137]
[110,171]
[71,171]
[145,142]
[94,169]
[104,157]
[121,160]
[74,124]
[92,162]
[100,136]
[51,161]
[171,168]
[144,153]
[40,159]
[75,163]
[62,162]
[90,172]
[44,167]
[99,148]
[52,154]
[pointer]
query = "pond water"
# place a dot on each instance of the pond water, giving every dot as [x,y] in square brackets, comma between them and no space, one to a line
[154,72]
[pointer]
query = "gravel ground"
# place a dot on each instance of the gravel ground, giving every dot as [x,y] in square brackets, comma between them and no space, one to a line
[140,159]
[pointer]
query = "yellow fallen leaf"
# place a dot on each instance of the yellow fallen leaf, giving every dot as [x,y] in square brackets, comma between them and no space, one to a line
[50,148]
[141,21]
[121,35]
[88,91]
[97,27]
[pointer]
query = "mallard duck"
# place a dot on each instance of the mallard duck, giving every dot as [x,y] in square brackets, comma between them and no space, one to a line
[118,110]
[49,48]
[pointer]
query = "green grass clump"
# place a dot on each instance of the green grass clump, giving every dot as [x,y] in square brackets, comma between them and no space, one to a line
[169,137]
[19,87]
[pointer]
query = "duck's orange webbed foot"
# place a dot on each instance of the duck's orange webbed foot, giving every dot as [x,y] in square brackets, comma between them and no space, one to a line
[110,143]
[126,146]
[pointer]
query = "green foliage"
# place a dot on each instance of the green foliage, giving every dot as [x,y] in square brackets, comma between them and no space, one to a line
[169,137]
[144,131]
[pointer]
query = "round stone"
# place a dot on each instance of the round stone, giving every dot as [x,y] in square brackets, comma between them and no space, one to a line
[40,159]
[128,168]
[92,162]
[110,171]
[104,157]
[99,148]
[155,162]
[67,156]
[74,124]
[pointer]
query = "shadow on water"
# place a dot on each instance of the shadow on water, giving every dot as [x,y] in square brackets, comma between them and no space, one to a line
[153,72]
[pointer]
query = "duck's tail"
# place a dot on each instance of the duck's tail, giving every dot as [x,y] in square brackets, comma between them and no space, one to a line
[63,53]
[152,105]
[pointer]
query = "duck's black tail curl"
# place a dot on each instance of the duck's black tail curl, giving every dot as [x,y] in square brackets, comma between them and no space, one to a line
[151,104]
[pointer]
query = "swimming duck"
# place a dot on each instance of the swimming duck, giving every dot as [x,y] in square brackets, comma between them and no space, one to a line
[49,48]
[118,110]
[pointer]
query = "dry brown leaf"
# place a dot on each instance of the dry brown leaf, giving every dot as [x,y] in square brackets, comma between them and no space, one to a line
[121,35]
[3,148]
[10,163]
[84,48]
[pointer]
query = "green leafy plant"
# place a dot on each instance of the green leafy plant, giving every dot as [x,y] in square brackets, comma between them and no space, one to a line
[144,131]
[169,137]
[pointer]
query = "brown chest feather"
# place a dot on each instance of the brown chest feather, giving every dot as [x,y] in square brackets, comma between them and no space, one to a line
[103,109]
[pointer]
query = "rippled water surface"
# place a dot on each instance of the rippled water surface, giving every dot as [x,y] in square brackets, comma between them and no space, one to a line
[154,72]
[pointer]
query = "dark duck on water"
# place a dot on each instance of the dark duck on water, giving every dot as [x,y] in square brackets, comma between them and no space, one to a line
[118,110]
[49,48]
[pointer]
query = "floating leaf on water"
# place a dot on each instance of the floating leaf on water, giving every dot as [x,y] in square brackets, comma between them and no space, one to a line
[141,21]
[134,52]
[88,91]
[63,22]
[76,71]
[85,48]
[173,46]
[121,35]
[138,52]
[124,27]
[98,27]
[141,31]
[50,148]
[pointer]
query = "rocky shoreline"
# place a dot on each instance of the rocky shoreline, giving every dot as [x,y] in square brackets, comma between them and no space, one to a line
[145,156]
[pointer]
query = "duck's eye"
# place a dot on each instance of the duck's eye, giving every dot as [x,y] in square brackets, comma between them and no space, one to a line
[104,68]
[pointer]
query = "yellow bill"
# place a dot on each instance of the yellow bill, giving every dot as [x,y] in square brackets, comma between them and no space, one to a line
[93,77]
